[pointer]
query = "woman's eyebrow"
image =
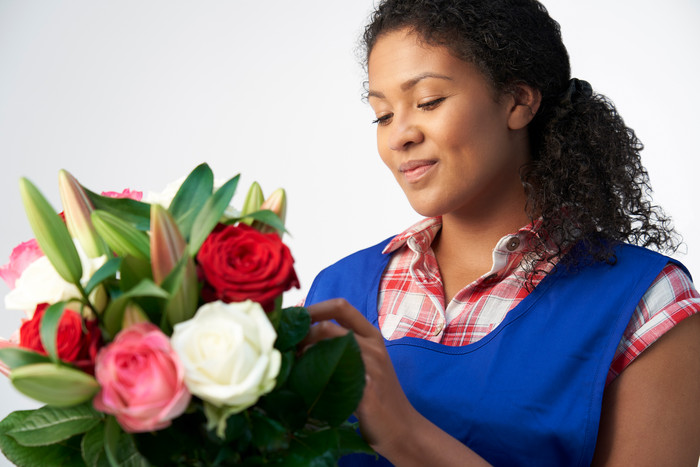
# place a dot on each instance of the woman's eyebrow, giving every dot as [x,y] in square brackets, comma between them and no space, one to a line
[406,85]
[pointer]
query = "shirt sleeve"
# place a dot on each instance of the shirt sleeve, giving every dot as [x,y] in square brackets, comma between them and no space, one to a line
[670,299]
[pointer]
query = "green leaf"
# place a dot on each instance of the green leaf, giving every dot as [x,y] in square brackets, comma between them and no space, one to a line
[191,196]
[266,217]
[134,212]
[350,441]
[286,406]
[133,271]
[51,233]
[114,314]
[56,385]
[210,214]
[65,453]
[268,434]
[292,325]
[330,377]
[49,326]
[15,357]
[120,448]
[49,425]
[183,287]
[92,447]
[121,236]
[109,269]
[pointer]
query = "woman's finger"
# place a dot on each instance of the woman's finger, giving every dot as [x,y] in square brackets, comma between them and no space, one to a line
[344,314]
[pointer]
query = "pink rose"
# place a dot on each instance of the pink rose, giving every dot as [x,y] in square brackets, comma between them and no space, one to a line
[127,193]
[141,379]
[22,256]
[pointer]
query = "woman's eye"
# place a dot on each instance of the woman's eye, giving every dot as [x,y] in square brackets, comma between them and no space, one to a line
[432,104]
[383,120]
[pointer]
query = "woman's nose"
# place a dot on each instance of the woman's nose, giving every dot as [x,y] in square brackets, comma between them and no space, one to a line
[404,134]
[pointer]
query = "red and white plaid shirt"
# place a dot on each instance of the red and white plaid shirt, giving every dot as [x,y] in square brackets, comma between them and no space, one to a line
[411,301]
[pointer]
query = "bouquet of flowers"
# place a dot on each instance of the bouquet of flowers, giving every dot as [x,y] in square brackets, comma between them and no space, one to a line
[155,335]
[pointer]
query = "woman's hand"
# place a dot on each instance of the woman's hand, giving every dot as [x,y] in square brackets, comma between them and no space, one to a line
[383,404]
[388,421]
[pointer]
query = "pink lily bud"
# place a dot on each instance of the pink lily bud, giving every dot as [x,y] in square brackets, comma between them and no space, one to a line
[167,243]
[77,209]
[277,203]
[167,250]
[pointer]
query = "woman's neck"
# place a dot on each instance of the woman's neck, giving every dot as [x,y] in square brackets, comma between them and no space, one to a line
[464,246]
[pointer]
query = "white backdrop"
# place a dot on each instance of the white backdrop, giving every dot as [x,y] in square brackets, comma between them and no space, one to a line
[135,94]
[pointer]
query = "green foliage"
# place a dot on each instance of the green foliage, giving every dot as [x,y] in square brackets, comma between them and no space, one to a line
[191,197]
[211,213]
[15,357]
[49,326]
[64,453]
[134,212]
[330,378]
[121,236]
[292,325]
[49,425]
[51,233]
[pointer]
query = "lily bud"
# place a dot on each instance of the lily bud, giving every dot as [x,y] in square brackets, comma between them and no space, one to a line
[51,233]
[167,243]
[277,203]
[52,384]
[133,314]
[77,208]
[167,249]
[253,200]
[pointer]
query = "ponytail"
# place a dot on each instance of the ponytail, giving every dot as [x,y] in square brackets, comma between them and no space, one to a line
[587,182]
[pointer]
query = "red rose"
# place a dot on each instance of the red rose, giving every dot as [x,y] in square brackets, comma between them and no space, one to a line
[73,344]
[239,263]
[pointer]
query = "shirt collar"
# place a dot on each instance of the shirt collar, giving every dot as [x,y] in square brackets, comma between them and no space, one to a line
[424,231]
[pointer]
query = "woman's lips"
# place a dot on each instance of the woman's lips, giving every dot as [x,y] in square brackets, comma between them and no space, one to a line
[414,170]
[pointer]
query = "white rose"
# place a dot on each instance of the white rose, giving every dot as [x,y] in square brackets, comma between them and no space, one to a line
[165,197]
[40,283]
[228,354]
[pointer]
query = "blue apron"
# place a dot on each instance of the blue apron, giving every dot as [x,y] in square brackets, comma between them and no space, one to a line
[529,392]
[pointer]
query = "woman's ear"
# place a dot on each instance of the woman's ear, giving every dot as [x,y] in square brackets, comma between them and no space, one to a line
[526,102]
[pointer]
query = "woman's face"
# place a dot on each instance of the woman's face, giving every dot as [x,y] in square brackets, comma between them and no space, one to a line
[443,131]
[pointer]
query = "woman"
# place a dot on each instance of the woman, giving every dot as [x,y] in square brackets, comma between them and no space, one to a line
[515,324]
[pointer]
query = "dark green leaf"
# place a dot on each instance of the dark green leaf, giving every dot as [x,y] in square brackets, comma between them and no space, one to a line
[114,314]
[121,236]
[133,271]
[286,406]
[120,448]
[109,269]
[268,434]
[15,357]
[64,453]
[330,377]
[51,233]
[49,425]
[183,287]
[49,326]
[211,213]
[134,212]
[288,358]
[350,441]
[292,325]
[191,196]
[92,447]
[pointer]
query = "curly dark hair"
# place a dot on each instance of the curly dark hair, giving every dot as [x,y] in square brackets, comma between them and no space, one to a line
[585,179]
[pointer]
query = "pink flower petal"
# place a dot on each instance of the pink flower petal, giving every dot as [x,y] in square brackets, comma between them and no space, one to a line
[22,256]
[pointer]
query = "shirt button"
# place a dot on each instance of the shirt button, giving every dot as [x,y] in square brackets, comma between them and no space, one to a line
[513,244]
[439,328]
